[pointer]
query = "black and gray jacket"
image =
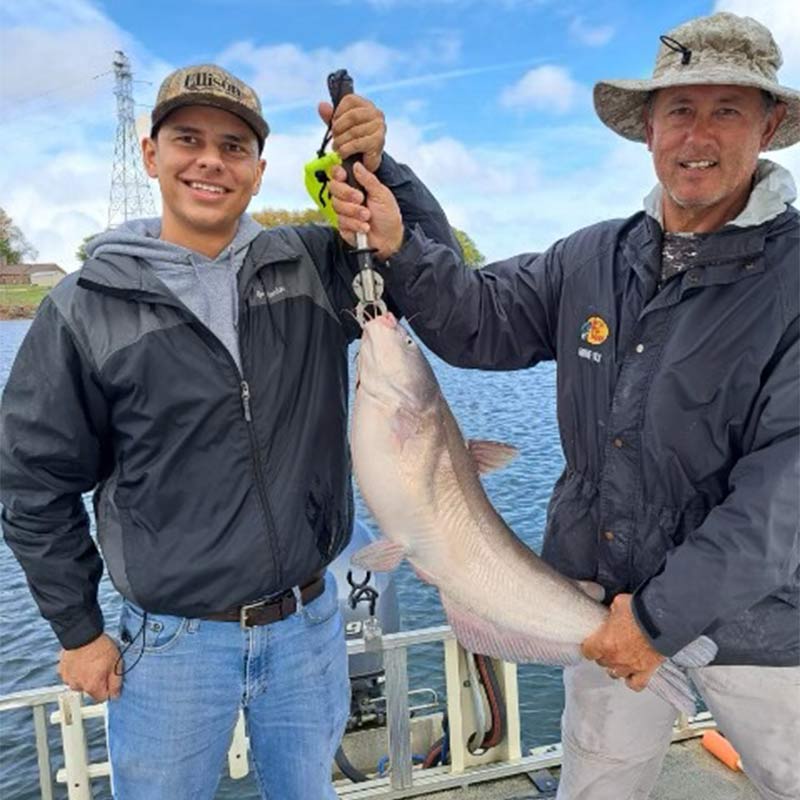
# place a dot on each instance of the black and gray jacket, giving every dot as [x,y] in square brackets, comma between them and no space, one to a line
[678,409]
[216,482]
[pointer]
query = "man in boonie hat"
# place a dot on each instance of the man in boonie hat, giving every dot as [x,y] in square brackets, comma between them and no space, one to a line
[676,336]
[194,374]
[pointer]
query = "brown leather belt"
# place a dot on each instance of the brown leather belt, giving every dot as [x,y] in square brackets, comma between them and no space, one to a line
[264,612]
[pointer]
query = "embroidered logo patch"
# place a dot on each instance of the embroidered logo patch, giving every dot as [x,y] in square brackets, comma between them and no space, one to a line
[594,330]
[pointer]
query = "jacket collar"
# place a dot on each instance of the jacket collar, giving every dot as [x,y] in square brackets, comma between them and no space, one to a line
[727,256]
[118,274]
[266,249]
[642,246]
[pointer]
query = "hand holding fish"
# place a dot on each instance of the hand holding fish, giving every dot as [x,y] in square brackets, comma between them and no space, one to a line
[620,646]
[359,127]
[380,218]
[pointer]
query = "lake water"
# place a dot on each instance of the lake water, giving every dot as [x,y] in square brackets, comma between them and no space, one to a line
[515,407]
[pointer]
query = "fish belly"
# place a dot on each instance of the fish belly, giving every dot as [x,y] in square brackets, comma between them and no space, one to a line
[515,614]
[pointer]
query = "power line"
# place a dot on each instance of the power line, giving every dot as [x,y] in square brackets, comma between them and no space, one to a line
[33,98]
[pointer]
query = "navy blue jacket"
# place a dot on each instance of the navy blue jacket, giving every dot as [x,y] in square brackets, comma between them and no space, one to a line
[678,413]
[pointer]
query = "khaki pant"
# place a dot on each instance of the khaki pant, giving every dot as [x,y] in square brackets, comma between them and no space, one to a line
[615,740]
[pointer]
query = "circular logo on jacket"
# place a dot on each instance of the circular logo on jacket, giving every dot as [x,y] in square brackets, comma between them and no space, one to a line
[594,330]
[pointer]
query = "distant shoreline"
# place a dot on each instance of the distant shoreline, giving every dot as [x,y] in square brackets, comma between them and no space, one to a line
[8,313]
[20,300]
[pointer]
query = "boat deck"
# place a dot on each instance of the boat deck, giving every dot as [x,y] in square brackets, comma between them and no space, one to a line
[689,772]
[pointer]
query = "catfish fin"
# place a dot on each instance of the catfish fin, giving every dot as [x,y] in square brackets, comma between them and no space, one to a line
[422,575]
[672,685]
[489,456]
[380,556]
[480,636]
[697,653]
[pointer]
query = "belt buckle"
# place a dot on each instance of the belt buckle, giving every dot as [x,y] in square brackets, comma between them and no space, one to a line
[248,607]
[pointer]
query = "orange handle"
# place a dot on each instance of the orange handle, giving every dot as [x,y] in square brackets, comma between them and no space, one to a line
[719,746]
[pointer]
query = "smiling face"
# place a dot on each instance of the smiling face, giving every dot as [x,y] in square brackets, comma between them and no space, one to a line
[705,142]
[207,164]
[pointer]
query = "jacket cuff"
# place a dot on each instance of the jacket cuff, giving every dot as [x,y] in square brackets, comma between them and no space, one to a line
[409,256]
[81,631]
[664,629]
[389,172]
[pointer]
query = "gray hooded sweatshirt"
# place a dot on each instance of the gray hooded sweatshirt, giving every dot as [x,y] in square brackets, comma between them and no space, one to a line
[206,286]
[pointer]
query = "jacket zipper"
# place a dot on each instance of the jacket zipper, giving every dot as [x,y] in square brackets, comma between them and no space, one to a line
[245,387]
[244,391]
[265,506]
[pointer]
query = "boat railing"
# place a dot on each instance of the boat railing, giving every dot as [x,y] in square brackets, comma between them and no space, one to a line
[505,760]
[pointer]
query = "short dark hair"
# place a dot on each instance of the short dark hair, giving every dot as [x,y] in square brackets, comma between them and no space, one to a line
[769,100]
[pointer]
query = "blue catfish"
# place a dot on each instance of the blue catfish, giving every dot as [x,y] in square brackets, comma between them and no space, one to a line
[420,479]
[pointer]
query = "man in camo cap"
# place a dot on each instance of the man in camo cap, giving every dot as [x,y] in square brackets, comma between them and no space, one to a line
[678,348]
[212,86]
[193,374]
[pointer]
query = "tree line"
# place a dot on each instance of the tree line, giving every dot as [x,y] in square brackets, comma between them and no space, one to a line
[14,247]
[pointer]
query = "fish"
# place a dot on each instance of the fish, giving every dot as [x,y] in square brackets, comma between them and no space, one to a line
[420,480]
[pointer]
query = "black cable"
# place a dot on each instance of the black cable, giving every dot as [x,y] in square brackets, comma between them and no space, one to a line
[347,769]
[128,644]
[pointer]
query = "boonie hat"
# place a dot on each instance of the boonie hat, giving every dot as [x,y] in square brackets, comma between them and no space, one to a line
[723,49]
[209,85]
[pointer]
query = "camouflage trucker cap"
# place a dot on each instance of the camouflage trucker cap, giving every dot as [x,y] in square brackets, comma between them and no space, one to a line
[209,85]
[722,49]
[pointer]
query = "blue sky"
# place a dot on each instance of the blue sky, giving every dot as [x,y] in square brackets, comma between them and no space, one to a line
[490,102]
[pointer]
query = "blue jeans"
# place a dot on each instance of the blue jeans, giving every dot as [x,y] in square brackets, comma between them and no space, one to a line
[170,729]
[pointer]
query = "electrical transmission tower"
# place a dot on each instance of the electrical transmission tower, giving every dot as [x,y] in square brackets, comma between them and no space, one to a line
[130,191]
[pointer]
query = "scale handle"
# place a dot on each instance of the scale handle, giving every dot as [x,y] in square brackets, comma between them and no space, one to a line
[340,84]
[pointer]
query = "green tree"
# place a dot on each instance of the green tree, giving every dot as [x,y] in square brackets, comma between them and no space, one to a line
[81,253]
[13,244]
[273,217]
[472,256]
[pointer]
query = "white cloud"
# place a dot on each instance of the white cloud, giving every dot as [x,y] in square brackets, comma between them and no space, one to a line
[52,14]
[545,88]
[516,193]
[59,120]
[415,106]
[285,73]
[783,20]
[38,83]
[592,35]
